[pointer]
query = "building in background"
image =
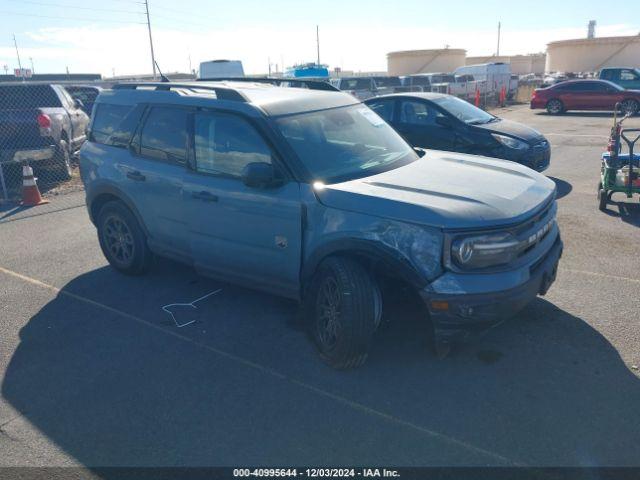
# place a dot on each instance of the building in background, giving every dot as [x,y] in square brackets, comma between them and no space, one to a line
[591,54]
[409,62]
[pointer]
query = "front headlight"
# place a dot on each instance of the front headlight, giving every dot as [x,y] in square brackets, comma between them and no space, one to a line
[485,250]
[510,142]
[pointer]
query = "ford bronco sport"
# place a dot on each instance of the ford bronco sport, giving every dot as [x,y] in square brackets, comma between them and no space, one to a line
[312,196]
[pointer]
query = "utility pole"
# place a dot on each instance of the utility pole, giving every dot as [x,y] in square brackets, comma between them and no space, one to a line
[498,49]
[153,57]
[33,70]
[318,42]
[18,55]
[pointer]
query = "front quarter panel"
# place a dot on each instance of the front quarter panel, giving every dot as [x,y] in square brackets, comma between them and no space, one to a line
[409,251]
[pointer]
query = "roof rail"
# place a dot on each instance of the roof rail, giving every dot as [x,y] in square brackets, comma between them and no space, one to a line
[222,92]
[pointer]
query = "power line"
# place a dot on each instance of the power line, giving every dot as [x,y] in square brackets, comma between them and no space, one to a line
[70,18]
[78,7]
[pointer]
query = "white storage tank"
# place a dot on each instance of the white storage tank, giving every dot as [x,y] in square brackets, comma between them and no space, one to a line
[592,54]
[408,62]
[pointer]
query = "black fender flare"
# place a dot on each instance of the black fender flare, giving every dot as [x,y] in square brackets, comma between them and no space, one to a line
[392,260]
[113,191]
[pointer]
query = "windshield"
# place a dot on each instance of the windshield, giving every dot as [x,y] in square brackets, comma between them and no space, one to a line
[344,143]
[464,111]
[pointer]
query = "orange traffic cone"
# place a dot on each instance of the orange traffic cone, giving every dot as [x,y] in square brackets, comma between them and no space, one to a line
[30,193]
[477,99]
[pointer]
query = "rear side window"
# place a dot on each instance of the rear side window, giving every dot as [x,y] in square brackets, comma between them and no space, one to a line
[17,97]
[384,108]
[107,120]
[164,134]
[225,144]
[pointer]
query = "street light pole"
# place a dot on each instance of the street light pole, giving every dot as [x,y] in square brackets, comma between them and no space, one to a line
[153,57]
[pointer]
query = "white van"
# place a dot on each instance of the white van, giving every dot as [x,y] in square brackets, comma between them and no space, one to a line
[221,69]
[493,75]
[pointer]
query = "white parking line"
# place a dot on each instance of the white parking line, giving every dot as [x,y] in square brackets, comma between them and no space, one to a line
[574,135]
[266,370]
[603,275]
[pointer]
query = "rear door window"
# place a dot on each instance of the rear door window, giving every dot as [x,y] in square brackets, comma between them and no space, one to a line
[164,134]
[384,108]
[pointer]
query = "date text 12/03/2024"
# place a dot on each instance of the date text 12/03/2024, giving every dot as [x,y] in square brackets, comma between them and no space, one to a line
[316,472]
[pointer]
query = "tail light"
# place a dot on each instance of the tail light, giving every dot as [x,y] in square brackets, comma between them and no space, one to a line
[534,94]
[44,120]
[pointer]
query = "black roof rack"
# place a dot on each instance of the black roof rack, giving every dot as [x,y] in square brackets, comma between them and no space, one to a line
[222,92]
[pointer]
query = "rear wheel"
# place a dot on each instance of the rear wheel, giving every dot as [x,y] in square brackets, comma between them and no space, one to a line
[122,240]
[629,107]
[62,160]
[344,308]
[555,107]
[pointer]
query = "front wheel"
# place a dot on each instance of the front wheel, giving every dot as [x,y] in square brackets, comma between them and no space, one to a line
[555,107]
[344,306]
[629,107]
[122,240]
[602,198]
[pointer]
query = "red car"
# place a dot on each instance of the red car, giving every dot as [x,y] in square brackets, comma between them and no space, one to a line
[585,95]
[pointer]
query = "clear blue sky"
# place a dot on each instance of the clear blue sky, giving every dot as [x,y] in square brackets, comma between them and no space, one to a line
[108,35]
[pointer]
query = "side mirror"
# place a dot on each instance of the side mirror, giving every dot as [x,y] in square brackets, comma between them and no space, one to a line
[444,121]
[79,103]
[259,175]
[421,152]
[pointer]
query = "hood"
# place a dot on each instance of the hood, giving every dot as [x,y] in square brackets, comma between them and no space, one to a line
[446,190]
[512,129]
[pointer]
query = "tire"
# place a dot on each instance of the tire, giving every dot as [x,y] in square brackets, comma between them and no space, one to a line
[629,106]
[62,161]
[122,239]
[343,308]
[602,198]
[555,107]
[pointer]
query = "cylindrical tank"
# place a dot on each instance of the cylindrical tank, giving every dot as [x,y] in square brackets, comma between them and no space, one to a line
[591,54]
[409,62]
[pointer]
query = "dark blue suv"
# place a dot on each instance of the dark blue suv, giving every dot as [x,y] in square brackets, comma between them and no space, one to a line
[311,195]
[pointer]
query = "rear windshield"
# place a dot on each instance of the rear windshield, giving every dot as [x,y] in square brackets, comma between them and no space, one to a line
[420,81]
[443,79]
[16,97]
[107,121]
[388,81]
[355,84]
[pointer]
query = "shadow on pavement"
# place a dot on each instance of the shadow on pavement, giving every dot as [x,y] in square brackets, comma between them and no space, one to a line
[628,212]
[543,389]
[564,187]
[584,114]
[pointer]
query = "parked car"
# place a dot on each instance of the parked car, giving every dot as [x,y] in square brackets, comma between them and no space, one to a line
[40,124]
[360,87]
[311,195]
[416,83]
[87,94]
[386,85]
[624,77]
[585,95]
[444,122]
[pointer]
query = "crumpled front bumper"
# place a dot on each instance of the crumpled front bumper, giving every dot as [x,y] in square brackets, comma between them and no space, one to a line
[456,315]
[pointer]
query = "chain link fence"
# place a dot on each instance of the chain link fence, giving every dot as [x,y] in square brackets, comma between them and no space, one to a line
[42,125]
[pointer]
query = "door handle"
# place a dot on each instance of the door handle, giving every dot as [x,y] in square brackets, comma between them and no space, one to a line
[136,176]
[205,196]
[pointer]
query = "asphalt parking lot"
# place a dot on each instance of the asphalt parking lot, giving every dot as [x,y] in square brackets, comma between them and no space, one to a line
[93,372]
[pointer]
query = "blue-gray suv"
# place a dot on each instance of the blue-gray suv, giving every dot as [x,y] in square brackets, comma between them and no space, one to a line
[311,195]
